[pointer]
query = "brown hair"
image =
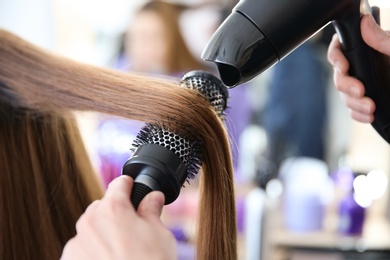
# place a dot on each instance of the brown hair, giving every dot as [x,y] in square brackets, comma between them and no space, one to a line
[35,80]
[179,56]
[46,182]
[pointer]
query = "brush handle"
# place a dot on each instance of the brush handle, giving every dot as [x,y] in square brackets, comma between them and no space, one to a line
[139,191]
[159,169]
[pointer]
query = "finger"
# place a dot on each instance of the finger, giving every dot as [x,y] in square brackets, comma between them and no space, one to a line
[83,248]
[120,188]
[71,250]
[348,85]
[363,118]
[336,56]
[92,206]
[363,105]
[374,35]
[151,206]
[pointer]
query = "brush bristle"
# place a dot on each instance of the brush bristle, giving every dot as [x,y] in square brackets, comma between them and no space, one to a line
[188,151]
[210,87]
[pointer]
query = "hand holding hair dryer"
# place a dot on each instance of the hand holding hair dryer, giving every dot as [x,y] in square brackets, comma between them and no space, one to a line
[259,33]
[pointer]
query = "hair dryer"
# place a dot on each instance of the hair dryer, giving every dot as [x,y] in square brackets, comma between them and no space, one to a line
[259,33]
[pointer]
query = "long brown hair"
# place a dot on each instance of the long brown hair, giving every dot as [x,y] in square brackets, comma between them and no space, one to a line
[35,80]
[46,182]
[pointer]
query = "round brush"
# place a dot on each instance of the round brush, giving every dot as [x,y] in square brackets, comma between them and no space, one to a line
[210,87]
[163,160]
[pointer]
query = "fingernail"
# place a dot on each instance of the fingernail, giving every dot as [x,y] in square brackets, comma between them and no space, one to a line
[367,108]
[371,21]
[384,34]
[157,198]
[127,178]
[354,91]
[374,25]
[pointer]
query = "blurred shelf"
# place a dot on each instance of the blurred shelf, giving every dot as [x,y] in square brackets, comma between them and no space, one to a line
[376,236]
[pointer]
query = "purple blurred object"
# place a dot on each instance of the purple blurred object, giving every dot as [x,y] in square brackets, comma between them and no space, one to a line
[303,213]
[351,216]
[114,138]
[179,234]
[238,116]
[343,178]
[185,250]
[240,211]
[306,190]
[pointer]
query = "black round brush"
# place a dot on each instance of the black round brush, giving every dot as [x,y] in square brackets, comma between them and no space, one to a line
[163,160]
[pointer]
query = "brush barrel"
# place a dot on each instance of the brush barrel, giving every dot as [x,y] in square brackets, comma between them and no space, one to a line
[209,86]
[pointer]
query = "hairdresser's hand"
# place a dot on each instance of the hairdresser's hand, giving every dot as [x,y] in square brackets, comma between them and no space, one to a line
[352,90]
[111,229]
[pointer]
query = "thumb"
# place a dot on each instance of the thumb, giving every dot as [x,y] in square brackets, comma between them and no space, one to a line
[374,35]
[151,206]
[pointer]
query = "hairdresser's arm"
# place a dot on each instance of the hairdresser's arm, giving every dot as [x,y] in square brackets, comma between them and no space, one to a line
[352,90]
[111,229]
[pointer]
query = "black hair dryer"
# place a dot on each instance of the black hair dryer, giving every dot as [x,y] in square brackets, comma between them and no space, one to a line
[259,33]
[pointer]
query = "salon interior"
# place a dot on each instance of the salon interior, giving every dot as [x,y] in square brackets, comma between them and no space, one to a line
[310,182]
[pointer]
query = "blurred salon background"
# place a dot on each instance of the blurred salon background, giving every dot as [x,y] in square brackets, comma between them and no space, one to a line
[310,182]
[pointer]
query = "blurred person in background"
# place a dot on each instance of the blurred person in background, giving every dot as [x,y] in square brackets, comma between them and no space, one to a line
[154,44]
[295,114]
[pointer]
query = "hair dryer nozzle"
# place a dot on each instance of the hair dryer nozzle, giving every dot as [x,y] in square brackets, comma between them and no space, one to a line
[239,59]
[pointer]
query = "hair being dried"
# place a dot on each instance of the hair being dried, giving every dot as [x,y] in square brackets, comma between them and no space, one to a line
[46,180]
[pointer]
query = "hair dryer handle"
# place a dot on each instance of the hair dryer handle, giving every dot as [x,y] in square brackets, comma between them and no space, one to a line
[370,67]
